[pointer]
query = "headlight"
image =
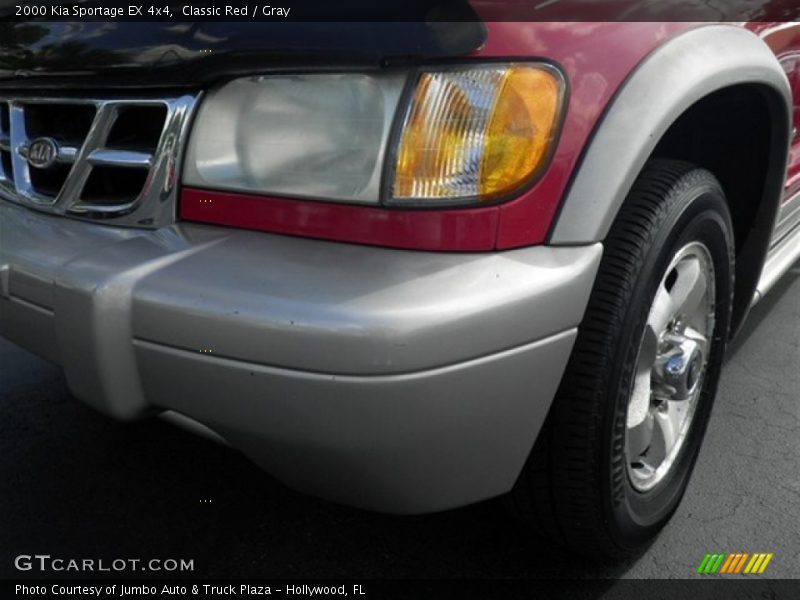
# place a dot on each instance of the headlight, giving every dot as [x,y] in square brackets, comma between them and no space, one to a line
[316,136]
[463,134]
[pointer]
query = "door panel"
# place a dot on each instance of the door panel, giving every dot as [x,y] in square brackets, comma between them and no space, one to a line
[791,64]
[784,39]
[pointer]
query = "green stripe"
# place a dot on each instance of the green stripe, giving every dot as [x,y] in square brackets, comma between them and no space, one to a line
[703,564]
[711,562]
[718,564]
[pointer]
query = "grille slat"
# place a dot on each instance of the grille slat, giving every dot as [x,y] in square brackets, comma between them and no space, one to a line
[6,171]
[121,158]
[67,154]
[112,159]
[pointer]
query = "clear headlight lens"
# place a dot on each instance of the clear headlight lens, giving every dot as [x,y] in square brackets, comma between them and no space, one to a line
[467,134]
[317,135]
[477,132]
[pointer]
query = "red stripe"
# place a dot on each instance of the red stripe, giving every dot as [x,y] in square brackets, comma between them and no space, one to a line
[470,230]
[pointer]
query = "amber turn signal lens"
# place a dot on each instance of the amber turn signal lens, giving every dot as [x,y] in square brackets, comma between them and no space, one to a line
[477,133]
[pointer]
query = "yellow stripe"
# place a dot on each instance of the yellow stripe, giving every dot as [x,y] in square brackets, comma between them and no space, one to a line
[765,563]
[741,562]
[754,568]
[727,563]
[751,563]
[754,562]
[758,563]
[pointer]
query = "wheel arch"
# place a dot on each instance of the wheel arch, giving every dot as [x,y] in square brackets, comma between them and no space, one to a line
[717,75]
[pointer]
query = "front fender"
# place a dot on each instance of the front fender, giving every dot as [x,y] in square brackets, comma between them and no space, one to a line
[668,82]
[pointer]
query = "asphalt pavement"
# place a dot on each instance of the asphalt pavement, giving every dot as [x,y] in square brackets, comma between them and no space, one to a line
[76,484]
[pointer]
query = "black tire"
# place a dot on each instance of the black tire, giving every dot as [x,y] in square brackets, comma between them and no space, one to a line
[575,488]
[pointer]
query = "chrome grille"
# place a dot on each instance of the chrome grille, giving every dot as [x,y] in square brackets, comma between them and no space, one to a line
[110,159]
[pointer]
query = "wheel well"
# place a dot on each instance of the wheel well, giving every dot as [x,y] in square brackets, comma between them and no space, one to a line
[741,135]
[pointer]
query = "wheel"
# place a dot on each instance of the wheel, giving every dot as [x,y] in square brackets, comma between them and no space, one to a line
[615,454]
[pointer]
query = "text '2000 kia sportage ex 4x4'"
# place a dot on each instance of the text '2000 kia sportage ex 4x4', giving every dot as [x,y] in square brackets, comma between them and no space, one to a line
[419,269]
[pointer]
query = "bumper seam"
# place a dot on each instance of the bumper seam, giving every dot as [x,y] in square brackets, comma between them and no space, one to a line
[355,377]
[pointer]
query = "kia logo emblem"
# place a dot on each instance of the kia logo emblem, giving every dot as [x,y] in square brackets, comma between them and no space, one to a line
[42,153]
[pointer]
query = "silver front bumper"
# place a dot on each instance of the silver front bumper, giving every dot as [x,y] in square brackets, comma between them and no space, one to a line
[395,380]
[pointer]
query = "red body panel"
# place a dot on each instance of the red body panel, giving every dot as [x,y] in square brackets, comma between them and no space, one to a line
[594,77]
[454,230]
[784,39]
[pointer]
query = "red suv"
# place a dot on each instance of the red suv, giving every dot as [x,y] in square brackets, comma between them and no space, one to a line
[406,266]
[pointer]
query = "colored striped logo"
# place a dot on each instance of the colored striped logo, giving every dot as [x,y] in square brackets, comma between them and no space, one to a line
[734,563]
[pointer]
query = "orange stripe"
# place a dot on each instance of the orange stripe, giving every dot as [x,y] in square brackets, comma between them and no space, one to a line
[728,563]
[736,560]
[741,562]
[740,556]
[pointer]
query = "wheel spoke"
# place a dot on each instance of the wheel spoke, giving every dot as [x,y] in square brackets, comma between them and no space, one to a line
[639,403]
[640,436]
[668,424]
[662,311]
[689,288]
[648,350]
[702,341]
